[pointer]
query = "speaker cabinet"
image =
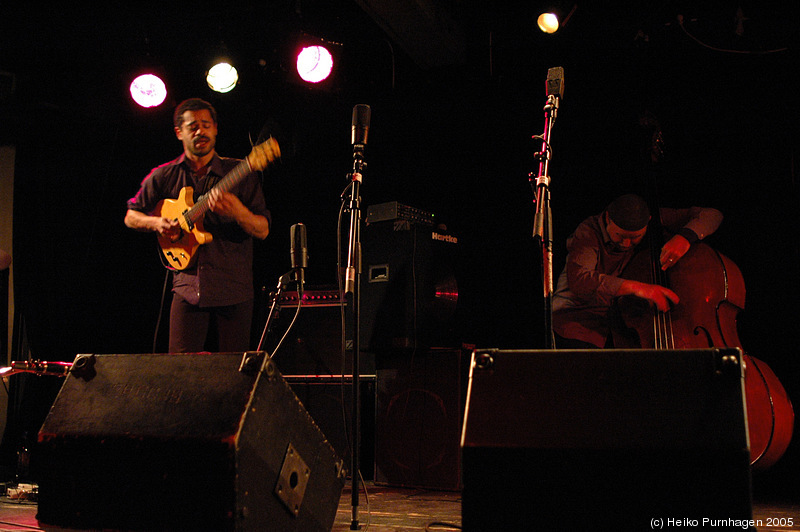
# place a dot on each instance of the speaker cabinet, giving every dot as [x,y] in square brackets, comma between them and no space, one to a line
[409,290]
[329,400]
[418,422]
[615,439]
[184,442]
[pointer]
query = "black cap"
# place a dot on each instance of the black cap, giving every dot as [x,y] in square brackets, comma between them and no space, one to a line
[629,212]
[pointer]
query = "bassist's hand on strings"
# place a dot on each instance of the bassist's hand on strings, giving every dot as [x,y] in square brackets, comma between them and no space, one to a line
[673,250]
[658,295]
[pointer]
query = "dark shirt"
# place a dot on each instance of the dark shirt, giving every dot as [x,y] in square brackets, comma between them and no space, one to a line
[588,285]
[222,273]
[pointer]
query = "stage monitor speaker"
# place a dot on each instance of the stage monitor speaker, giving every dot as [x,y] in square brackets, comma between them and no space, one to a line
[184,442]
[605,439]
[409,290]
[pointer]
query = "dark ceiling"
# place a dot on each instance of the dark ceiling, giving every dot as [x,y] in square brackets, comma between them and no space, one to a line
[381,39]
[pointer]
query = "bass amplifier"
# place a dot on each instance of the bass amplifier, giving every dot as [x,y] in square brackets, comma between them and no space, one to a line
[409,290]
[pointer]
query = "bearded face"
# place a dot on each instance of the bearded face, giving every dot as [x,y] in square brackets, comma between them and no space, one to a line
[198,132]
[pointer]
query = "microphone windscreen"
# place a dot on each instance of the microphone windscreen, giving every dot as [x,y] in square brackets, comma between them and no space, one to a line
[555,81]
[299,249]
[360,125]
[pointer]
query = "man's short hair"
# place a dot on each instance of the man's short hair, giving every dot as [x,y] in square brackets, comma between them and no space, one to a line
[192,104]
[629,212]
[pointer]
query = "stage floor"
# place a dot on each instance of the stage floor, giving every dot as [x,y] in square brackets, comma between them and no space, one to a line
[391,509]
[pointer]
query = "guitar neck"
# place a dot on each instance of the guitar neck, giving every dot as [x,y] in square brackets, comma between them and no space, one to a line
[225,184]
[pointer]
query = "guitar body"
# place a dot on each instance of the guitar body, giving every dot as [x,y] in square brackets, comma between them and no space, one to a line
[180,252]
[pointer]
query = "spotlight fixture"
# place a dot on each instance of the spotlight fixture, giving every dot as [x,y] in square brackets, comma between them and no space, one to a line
[222,77]
[314,63]
[550,21]
[148,90]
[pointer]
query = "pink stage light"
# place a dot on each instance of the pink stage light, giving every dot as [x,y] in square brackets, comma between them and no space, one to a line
[314,63]
[148,90]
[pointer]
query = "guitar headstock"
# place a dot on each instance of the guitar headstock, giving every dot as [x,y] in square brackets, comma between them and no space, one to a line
[263,154]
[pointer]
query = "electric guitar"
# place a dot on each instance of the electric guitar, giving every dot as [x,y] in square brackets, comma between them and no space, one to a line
[179,250]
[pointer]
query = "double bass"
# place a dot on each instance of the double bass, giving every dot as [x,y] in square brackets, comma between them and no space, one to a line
[712,293]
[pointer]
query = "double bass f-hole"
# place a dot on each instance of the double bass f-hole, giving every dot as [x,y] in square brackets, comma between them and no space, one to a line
[699,329]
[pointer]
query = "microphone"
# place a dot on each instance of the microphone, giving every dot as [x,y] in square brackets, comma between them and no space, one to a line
[555,82]
[360,127]
[299,252]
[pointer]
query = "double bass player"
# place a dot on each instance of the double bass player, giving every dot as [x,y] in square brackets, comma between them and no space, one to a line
[597,253]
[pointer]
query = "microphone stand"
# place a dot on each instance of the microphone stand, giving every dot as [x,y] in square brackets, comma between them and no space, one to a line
[283,280]
[543,221]
[352,286]
[296,274]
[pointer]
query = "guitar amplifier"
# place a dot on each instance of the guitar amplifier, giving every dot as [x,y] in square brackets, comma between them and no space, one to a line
[325,297]
[312,344]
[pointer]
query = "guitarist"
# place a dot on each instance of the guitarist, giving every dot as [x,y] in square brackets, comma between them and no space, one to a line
[216,290]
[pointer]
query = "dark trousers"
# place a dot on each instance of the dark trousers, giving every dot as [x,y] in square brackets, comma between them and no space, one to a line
[218,329]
